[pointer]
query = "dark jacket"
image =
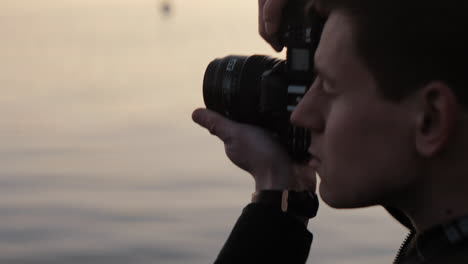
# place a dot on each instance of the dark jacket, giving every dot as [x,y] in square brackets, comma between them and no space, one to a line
[267,235]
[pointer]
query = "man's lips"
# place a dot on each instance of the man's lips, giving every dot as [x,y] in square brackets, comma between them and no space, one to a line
[314,163]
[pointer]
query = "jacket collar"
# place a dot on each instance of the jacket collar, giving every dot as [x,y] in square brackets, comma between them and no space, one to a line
[436,241]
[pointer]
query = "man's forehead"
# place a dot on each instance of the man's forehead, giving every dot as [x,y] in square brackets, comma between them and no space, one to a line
[337,42]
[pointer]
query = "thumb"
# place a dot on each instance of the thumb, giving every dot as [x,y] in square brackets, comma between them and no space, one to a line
[217,124]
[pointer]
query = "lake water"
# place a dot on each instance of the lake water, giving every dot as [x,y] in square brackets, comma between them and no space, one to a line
[99,159]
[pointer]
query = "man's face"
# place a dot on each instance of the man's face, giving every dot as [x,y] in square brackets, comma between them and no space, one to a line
[363,143]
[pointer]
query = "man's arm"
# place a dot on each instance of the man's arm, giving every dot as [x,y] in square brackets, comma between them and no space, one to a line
[266,235]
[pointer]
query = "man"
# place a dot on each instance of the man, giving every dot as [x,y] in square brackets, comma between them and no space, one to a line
[388,119]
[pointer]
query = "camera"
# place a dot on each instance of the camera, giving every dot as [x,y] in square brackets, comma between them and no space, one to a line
[264,91]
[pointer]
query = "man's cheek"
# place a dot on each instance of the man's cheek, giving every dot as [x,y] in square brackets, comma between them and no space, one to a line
[337,147]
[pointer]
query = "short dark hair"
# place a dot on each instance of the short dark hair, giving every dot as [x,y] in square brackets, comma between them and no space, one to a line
[408,43]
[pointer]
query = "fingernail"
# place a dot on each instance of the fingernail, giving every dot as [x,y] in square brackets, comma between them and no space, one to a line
[278,47]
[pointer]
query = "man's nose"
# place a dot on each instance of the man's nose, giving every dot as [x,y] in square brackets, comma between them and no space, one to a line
[308,113]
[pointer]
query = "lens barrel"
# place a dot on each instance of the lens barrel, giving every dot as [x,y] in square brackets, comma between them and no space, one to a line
[232,86]
[253,90]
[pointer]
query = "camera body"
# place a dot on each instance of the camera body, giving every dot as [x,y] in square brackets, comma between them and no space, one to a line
[264,91]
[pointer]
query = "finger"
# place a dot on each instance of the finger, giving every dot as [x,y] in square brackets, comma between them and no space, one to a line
[272,11]
[306,177]
[270,38]
[215,123]
[261,24]
[310,179]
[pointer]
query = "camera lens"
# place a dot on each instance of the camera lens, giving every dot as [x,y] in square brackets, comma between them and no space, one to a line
[232,86]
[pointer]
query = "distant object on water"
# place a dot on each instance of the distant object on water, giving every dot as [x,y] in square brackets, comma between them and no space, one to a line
[166,8]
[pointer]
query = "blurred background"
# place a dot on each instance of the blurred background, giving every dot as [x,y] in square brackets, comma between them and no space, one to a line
[99,159]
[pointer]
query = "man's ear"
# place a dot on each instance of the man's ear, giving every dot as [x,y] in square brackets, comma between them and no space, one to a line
[436,118]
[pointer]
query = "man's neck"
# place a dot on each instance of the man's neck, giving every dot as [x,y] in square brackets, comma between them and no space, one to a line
[437,203]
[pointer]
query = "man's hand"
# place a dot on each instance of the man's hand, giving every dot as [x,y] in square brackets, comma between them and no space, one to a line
[269,15]
[255,151]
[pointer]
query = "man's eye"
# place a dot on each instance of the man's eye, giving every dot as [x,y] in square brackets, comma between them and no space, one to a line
[326,87]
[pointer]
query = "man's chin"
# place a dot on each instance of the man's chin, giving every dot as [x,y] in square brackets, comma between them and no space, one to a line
[341,200]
